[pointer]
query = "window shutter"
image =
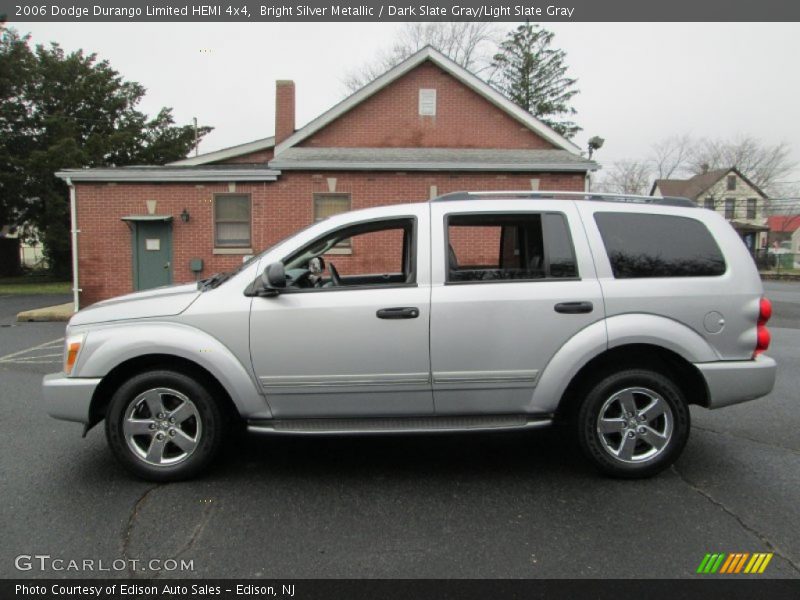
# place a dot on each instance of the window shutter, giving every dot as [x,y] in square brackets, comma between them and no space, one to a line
[427,102]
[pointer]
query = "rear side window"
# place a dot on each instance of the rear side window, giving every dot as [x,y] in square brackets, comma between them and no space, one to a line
[502,247]
[658,246]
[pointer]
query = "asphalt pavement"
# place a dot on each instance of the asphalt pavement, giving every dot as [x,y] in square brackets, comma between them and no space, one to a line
[479,505]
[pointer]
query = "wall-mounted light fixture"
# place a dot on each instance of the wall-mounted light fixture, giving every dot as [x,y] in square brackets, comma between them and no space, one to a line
[185,216]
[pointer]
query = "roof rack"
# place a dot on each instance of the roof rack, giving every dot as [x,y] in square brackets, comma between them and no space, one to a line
[597,196]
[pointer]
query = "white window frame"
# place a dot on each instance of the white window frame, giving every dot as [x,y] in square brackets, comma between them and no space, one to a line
[427,102]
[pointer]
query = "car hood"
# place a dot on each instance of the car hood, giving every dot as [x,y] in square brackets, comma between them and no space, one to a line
[158,302]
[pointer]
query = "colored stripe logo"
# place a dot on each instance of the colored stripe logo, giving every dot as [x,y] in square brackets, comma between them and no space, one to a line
[735,563]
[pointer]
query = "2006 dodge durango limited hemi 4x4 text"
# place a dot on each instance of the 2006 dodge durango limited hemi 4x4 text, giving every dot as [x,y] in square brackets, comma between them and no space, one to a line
[474,311]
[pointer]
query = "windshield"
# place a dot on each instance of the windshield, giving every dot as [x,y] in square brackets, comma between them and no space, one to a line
[218,279]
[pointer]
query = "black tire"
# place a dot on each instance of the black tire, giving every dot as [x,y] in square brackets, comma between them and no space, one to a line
[644,386]
[205,426]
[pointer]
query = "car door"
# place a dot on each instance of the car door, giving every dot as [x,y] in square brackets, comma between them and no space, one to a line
[511,284]
[360,348]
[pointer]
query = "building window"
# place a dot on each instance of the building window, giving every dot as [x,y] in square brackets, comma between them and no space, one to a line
[730,208]
[427,103]
[709,203]
[232,221]
[328,205]
[731,182]
[751,208]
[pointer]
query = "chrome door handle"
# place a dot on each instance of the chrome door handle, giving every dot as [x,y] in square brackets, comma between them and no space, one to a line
[166,265]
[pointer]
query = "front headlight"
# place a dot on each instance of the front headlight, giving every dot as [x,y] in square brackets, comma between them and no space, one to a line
[72,347]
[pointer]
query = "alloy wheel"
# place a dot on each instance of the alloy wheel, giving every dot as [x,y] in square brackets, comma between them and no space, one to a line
[635,425]
[162,427]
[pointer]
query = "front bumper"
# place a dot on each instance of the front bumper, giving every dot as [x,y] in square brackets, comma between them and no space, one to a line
[732,382]
[68,398]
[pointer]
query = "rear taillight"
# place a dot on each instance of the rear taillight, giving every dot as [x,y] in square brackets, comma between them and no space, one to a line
[762,333]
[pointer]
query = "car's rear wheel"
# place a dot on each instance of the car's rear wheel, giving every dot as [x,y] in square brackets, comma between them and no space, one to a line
[633,423]
[164,426]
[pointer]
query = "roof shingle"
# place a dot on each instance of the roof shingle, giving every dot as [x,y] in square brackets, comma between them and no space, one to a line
[431,159]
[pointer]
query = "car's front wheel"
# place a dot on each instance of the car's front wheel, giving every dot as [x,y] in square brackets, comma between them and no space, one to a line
[164,426]
[633,423]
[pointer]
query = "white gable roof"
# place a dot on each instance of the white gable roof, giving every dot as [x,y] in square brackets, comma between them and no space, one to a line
[460,73]
[231,152]
[427,53]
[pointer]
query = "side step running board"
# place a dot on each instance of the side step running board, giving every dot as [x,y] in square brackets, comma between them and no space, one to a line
[382,425]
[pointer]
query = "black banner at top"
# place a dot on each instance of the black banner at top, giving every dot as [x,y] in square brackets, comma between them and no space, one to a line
[399,10]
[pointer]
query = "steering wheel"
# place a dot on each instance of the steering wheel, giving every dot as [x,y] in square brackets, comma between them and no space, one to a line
[335,279]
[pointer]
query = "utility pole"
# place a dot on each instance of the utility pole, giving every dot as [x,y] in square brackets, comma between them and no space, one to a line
[196,141]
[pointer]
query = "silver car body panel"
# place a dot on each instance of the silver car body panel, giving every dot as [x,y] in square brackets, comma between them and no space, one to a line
[656,330]
[490,341]
[68,398]
[108,346]
[475,349]
[733,382]
[159,302]
[687,300]
[342,359]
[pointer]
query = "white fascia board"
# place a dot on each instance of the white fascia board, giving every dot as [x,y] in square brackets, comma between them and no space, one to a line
[167,175]
[225,153]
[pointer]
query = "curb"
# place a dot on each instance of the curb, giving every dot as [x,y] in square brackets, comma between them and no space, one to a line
[60,312]
[779,277]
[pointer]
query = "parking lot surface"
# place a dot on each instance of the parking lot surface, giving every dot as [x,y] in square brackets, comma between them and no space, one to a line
[502,505]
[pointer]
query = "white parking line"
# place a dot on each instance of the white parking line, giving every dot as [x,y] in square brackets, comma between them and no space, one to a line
[36,357]
[16,357]
[30,362]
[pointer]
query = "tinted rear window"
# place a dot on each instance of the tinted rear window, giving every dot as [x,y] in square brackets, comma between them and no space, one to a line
[658,246]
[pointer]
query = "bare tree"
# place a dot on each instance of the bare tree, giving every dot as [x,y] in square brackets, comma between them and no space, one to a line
[670,156]
[471,45]
[626,177]
[763,164]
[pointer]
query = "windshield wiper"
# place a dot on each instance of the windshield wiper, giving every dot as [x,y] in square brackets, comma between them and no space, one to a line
[211,282]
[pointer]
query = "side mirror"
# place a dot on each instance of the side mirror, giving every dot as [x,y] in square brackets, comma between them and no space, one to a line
[274,279]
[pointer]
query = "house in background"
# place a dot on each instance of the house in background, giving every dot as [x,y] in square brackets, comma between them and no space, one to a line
[31,253]
[730,193]
[781,229]
[425,128]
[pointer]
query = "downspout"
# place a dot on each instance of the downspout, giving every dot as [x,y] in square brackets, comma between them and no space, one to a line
[73,215]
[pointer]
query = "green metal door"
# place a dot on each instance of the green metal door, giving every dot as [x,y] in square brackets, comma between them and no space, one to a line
[152,254]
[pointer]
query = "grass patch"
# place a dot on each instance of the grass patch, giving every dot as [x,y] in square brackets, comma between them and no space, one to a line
[34,284]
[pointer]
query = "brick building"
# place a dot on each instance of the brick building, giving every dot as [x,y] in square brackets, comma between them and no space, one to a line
[424,128]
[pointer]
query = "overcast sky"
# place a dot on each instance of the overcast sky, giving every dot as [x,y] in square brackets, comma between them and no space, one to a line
[639,82]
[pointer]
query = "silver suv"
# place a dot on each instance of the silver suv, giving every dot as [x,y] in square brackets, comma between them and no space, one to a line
[473,312]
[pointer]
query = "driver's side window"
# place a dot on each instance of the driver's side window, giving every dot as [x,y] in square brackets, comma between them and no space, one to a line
[383,254]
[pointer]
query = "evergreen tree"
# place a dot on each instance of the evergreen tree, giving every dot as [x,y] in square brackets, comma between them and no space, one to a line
[69,110]
[533,75]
